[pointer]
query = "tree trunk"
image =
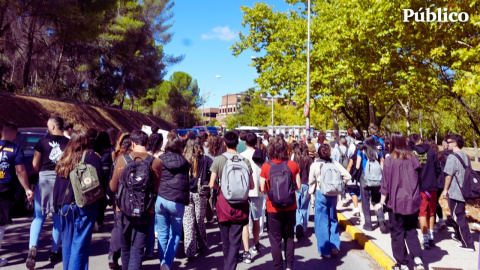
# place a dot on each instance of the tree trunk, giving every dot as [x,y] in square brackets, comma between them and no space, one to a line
[335,124]
[406,108]
[474,136]
[57,69]
[371,111]
[122,98]
[132,100]
[28,62]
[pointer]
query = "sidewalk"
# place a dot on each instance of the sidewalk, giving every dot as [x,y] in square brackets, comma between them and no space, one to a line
[445,255]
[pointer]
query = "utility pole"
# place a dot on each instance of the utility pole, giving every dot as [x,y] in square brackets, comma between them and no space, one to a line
[308,72]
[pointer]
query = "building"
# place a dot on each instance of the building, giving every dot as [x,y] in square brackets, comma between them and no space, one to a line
[209,114]
[230,105]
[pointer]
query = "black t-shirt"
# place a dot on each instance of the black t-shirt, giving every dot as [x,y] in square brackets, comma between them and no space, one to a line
[51,149]
[62,183]
[10,156]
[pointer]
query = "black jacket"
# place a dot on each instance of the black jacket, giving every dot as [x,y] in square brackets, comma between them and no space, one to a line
[204,171]
[174,185]
[431,168]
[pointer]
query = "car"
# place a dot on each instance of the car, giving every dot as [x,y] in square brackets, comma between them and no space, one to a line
[27,138]
[201,129]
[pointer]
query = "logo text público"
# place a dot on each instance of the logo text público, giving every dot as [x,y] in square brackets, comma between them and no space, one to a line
[442,15]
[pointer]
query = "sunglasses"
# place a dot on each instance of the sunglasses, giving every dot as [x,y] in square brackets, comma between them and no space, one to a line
[450,142]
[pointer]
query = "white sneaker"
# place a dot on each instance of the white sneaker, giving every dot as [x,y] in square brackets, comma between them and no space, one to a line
[356,212]
[3,262]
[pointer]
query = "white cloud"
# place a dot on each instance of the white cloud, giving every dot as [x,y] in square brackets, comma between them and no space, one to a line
[221,33]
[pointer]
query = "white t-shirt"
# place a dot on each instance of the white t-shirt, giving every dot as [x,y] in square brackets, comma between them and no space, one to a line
[255,192]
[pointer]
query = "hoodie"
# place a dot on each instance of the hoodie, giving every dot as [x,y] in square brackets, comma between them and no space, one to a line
[174,185]
[431,168]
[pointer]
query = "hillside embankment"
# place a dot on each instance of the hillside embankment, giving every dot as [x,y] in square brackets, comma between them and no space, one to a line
[27,111]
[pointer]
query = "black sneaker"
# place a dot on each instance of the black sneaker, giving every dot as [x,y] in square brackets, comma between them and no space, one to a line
[426,244]
[55,256]
[383,226]
[31,257]
[246,257]
[431,242]
[299,231]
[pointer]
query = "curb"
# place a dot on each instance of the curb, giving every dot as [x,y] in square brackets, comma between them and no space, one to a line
[373,250]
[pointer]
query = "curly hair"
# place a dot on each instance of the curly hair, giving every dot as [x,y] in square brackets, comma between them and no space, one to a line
[277,149]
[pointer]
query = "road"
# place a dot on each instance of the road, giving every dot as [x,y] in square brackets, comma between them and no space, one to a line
[352,256]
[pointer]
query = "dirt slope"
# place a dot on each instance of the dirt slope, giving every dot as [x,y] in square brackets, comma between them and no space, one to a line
[28,111]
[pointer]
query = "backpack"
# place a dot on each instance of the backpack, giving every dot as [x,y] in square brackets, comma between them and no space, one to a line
[378,144]
[343,157]
[136,190]
[354,172]
[373,173]
[235,182]
[471,181]
[331,183]
[281,190]
[86,185]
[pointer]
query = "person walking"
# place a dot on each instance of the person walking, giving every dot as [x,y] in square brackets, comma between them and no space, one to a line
[77,222]
[194,217]
[232,217]
[11,164]
[326,222]
[455,174]
[173,197]
[302,158]
[400,185]
[281,220]
[48,152]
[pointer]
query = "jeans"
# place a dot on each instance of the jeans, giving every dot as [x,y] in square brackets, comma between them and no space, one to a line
[326,223]
[169,216]
[375,195]
[133,238]
[281,227]
[404,229]
[150,247]
[303,210]
[231,240]
[76,228]
[39,220]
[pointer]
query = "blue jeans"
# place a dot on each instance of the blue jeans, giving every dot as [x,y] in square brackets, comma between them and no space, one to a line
[169,216]
[303,207]
[77,227]
[39,220]
[326,223]
[133,239]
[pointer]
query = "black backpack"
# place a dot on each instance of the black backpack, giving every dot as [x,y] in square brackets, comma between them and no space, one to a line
[281,191]
[356,174]
[136,190]
[471,181]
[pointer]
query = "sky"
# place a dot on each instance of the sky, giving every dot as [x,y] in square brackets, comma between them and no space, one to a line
[203,32]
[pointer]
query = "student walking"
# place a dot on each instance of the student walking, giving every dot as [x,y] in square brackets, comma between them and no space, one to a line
[302,158]
[232,214]
[276,179]
[11,165]
[77,222]
[400,185]
[326,223]
[48,152]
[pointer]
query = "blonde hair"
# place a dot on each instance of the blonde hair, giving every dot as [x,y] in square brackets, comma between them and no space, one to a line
[192,153]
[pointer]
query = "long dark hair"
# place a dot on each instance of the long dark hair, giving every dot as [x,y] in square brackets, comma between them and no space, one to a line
[434,147]
[370,148]
[300,154]
[72,154]
[277,149]
[398,145]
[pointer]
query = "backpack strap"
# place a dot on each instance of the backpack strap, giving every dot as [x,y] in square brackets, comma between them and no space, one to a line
[127,158]
[83,156]
[149,159]
[461,160]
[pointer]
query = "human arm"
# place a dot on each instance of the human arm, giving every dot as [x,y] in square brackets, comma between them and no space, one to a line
[37,157]
[350,165]
[448,181]
[381,162]
[212,183]
[23,178]
[298,182]
[359,162]
[379,205]
[117,172]
[262,184]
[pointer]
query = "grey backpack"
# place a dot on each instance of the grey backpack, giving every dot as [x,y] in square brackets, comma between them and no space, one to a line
[235,181]
[373,173]
[331,183]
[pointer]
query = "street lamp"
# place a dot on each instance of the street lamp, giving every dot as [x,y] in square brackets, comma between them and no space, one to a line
[308,71]
[205,97]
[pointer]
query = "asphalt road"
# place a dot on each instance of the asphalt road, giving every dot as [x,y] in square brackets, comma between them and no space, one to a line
[352,256]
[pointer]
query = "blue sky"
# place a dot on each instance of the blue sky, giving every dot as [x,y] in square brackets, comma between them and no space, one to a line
[203,32]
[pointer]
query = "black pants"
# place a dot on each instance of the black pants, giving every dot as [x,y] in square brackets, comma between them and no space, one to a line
[231,238]
[460,225]
[102,205]
[281,226]
[404,229]
[115,248]
[374,194]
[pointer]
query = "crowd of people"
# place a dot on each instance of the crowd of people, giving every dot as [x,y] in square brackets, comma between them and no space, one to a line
[243,182]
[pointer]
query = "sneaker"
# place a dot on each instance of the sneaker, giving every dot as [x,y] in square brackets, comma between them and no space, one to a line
[426,245]
[344,203]
[255,249]
[454,237]
[246,257]
[3,262]
[55,256]
[356,212]
[431,242]
[335,252]
[164,267]
[299,231]
[441,225]
[367,228]
[31,257]
[419,266]
[383,227]
[466,248]
[326,256]
[95,227]
[399,267]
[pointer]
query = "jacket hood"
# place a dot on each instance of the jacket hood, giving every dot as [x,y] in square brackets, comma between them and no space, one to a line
[421,148]
[172,161]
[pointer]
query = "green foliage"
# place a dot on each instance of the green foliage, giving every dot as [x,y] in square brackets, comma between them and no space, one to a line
[214,123]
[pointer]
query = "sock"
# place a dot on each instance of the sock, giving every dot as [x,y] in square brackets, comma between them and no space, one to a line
[425,238]
[430,234]
[417,260]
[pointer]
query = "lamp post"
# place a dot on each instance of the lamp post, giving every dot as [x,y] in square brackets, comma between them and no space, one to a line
[308,70]
[205,97]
